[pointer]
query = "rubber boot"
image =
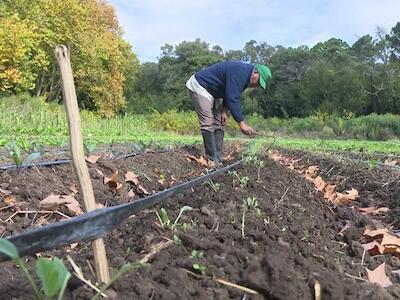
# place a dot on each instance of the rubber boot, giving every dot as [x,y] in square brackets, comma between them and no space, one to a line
[219,143]
[210,146]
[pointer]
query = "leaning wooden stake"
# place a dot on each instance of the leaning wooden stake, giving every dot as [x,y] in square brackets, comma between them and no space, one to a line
[74,122]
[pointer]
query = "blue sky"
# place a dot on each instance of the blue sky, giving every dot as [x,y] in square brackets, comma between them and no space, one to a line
[149,24]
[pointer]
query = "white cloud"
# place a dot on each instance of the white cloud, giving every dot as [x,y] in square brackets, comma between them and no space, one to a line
[150,24]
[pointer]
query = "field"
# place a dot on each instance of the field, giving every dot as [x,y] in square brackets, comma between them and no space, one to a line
[261,231]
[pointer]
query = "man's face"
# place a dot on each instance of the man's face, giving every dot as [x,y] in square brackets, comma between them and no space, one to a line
[254,79]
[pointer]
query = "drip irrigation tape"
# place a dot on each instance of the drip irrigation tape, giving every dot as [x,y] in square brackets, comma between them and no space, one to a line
[96,223]
[68,161]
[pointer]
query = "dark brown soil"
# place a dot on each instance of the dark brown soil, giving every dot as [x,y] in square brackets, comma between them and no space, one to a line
[287,249]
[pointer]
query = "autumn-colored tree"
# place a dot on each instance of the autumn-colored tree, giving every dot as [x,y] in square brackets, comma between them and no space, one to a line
[101,59]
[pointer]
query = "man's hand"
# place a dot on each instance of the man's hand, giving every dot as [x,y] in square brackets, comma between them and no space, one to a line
[246,129]
[224,117]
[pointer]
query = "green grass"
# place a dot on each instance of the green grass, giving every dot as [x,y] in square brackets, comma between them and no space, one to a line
[31,121]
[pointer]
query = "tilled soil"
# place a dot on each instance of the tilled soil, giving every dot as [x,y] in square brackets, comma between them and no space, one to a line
[285,250]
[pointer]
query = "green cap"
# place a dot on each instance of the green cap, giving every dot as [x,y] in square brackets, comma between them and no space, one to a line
[265,75]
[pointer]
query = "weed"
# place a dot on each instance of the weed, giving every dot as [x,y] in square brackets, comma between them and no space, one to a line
[199,269]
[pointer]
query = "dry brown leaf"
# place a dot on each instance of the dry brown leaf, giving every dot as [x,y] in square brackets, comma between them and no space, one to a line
[347,196]
[92,158]
[72,204]
[330,193]
[131,194]
[319,183]
[312,171]
[390,249]
[391,162]
[73,189]
[9,199]
[374,248]
[379,276]
[142,190]
[52,202]
[131,177]
[378,233]
[100,172]
[204,162]
[112,182]
[41,221]
[99,205]
[373,210]
[390,240]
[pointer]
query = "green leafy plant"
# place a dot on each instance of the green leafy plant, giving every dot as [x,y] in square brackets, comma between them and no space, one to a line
[199,269]
[53,274]
[251,204]
[90,147]
[214,185]
[243,180]
[255,160]
[196,254]
[16,152]
[165,221]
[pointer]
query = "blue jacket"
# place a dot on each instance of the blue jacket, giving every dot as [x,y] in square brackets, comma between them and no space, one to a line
[227,80]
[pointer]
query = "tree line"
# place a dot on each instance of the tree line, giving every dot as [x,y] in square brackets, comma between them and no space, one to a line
[331,77]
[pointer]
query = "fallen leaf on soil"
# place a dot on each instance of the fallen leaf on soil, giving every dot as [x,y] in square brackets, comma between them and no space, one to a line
[112,182]
[379,276]
[9,199]
[73,189]
[391,162]
[99,205]
[131,194]
[347,196]
[92,158]
[41,221]
[319,183]
[142,190]
[330,193]
[391,240]
[100,172]
[312,171]
[378,233]
[373,210]
[131,177]
[201,161]
[52,202]
[374,248]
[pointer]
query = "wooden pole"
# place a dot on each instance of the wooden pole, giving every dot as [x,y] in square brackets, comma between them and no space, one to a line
[75,133]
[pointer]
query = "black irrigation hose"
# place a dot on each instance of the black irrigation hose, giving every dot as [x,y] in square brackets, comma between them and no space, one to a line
[68,161]
[96,223]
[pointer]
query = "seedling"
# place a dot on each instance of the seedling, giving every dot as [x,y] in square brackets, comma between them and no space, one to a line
[253,159]
[89,147]
[196,254]
[165,221]
[16,151]
[199,269]
[214,185]
[251,203]
[53,274]
[243,181]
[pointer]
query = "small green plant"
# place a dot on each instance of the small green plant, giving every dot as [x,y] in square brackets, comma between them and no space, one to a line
[196,254]
[165,221]
[90,147]
[243,180]
[251,203]
[16,152]
[53,274]
[255,160]
[199,269]
[214,185]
